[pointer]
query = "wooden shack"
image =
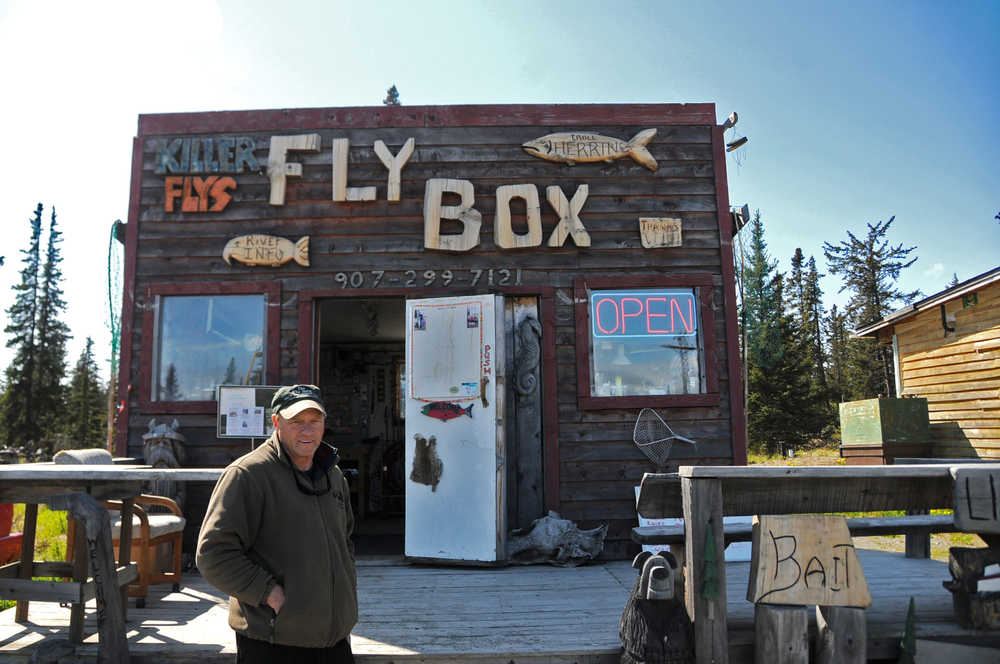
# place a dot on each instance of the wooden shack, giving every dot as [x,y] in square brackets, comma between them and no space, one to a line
[280,246]
[946,349]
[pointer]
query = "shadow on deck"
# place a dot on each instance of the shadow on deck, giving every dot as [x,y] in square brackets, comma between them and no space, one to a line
[448,615]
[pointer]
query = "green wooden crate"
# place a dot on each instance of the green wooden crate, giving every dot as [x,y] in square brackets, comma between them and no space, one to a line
[885,422]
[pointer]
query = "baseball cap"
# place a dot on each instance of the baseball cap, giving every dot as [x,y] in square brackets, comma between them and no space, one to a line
[291,400]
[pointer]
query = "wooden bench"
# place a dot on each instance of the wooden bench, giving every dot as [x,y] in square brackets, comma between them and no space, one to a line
[916,525]
[911,525]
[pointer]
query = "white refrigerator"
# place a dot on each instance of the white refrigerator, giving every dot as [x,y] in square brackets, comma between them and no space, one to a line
[455,505]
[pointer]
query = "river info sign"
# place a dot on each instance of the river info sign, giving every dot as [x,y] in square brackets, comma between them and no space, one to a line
[977,499]
[805,561]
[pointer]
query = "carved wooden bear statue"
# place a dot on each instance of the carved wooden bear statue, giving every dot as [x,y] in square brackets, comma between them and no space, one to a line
[655,628]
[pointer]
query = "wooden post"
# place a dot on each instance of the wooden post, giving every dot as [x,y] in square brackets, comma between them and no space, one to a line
[94,521]
[841,635]
[781,634]
[80,558]
[27,556]
[706,606]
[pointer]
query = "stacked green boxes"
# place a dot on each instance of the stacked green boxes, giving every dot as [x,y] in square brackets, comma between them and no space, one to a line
[874,431]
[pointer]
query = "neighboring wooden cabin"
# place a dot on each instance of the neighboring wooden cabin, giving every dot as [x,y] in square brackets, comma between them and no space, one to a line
[405,202]
[946,349]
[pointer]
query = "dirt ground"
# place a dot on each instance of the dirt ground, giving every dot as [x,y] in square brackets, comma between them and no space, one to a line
[940,543]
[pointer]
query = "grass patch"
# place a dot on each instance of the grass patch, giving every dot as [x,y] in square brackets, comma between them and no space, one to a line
[50,536]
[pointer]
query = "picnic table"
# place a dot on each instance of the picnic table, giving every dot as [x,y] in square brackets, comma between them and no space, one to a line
[77,489]
[707,493]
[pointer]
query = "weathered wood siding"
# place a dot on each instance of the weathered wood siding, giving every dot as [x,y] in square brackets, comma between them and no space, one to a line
[958,373]
[598,465]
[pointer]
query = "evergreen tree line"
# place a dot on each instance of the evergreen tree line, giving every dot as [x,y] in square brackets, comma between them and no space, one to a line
[40,410]
[800,359]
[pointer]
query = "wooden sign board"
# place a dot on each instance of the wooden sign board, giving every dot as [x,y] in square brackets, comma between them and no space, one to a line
[659,232]
[977,498]
[805,560]
[266,250]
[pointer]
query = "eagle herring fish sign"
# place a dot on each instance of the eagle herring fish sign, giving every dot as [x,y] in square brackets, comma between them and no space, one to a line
[266,250]
[572,147]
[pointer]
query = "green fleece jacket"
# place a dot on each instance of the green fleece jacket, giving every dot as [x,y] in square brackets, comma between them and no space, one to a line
[261,529]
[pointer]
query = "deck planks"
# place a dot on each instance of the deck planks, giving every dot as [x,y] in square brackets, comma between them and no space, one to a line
[490,616]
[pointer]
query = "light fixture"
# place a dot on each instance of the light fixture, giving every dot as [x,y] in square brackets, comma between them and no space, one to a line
[730,121]
[620,358]
[739,142]
[740,217]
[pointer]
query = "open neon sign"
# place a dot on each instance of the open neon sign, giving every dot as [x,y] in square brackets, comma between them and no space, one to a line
[635,314]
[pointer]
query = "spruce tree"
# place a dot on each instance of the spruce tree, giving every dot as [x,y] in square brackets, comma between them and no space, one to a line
[760,311]
[814,328]
[870,267]
[51,336]
[171,389]
[838,336]
[18,419]
[780,405]
[391,96]
[85,411]
[230,377]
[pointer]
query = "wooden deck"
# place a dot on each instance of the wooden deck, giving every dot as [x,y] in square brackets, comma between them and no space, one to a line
[428,615]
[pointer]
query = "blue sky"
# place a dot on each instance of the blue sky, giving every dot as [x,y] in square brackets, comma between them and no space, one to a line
[855,111]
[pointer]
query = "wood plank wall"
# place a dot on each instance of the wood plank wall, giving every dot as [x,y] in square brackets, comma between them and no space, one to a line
[958,373]
[598,463]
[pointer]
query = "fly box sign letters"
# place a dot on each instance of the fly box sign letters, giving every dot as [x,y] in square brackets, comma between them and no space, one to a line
[643,314]
[202,174]
[805,560]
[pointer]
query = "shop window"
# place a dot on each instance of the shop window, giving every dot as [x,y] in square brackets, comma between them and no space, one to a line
[644,341]
[203,341]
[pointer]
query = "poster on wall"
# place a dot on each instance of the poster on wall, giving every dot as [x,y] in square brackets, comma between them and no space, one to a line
[244,411]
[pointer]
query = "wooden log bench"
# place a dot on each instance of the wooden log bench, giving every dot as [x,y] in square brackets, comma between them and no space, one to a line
[911,525]
[916,525]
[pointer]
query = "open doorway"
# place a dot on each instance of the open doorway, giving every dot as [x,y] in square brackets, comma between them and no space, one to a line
[360,369]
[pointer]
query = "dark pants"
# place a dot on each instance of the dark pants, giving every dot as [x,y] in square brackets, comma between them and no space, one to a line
[252,651]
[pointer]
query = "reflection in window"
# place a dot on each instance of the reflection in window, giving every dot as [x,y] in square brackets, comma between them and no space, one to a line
[645,342]
[208,340]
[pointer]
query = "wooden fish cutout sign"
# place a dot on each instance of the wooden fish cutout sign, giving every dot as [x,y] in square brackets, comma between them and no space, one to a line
[571,147]
[266,250]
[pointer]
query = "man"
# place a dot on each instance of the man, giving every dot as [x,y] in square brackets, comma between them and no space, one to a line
[276,539]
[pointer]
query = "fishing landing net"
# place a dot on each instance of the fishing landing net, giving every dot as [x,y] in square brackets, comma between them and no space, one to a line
[655,437]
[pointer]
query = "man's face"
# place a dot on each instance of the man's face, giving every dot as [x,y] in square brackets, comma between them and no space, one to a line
[300,435]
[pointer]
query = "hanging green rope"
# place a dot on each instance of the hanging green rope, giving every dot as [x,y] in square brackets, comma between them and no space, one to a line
[114,322]
[114,294]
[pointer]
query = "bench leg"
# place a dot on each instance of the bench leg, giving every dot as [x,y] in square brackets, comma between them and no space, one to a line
[27,556]
[125,548]
[918,544]
[94,521]
[76,612]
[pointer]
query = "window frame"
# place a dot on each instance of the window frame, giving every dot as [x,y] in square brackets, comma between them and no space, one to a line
[705,285]
[271,290]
